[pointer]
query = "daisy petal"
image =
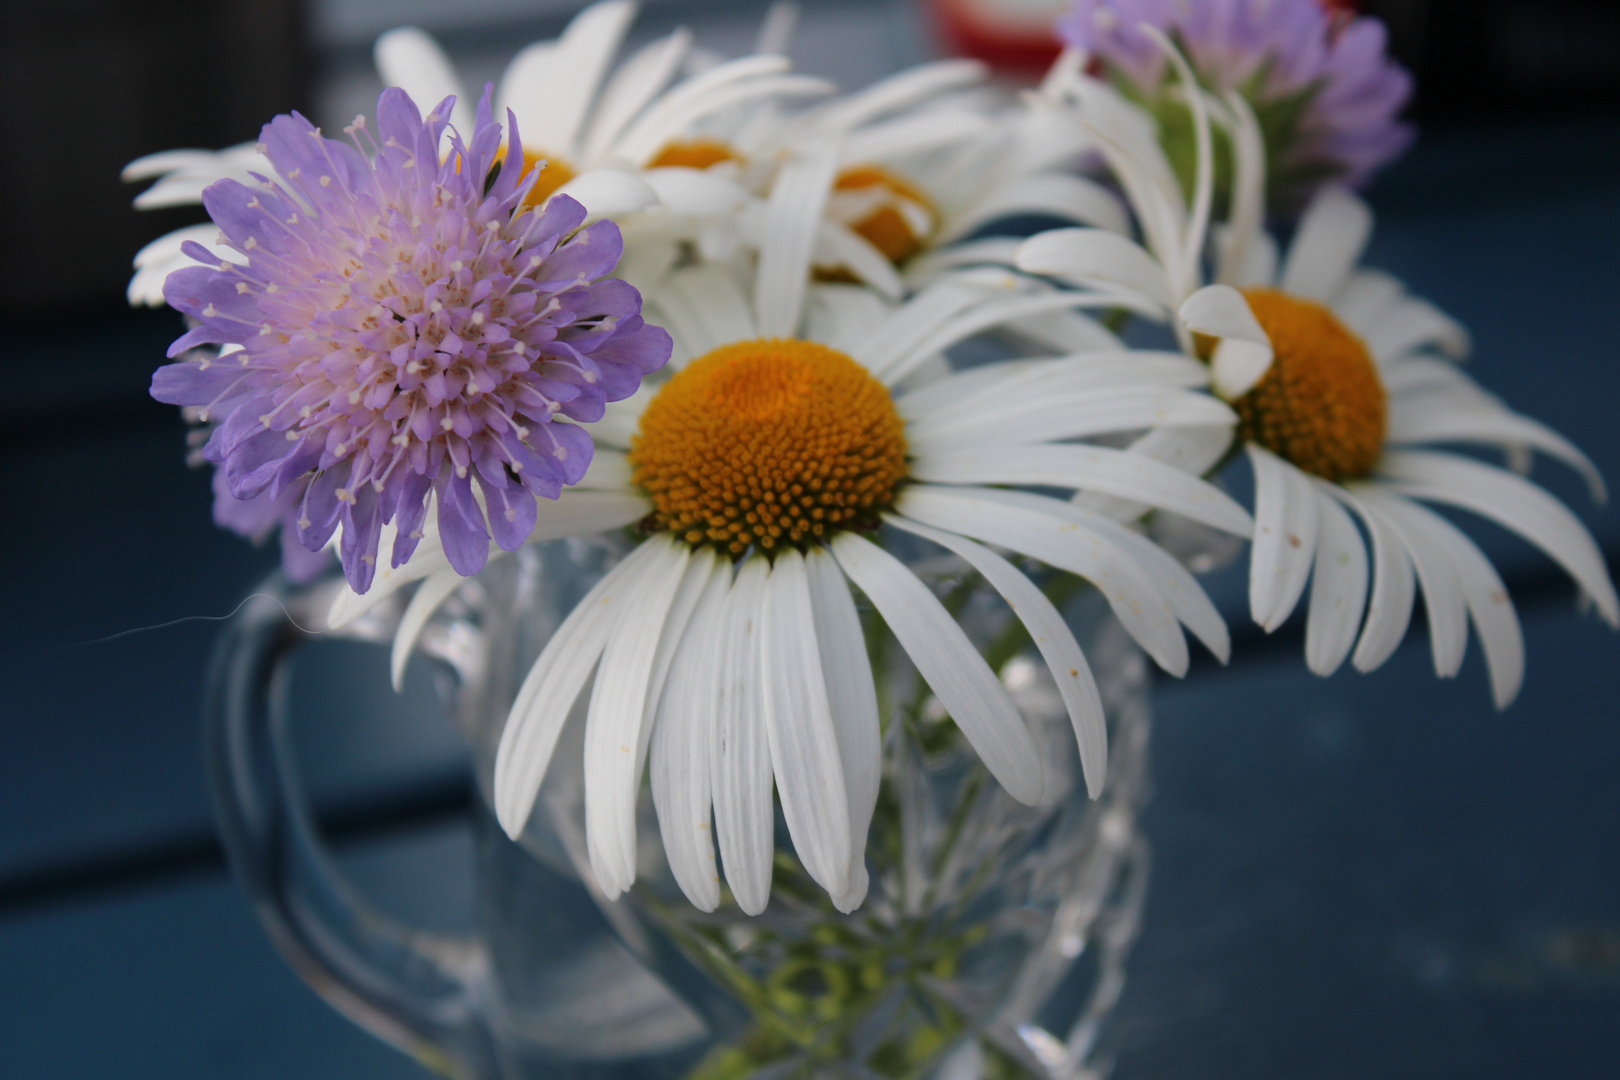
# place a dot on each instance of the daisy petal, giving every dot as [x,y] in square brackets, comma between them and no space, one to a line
[1514,503]
[1051,194]
[680,751]
[1394,587]
[631,89]
[803,743]
[1443,597]
[913,85]
[706,308]
[1243,355]
[567,84]
[852,697]
[1327,246]
[1056,537]
[1422,418]
[429,595]
[1412,324]
[1089,468]
[1099,259]
[949,663]
[609,193]
[1193,450]
[1051,636]
[413,61]
[913,320]
[1284,538]
[1338,588]
[617,713]
[793,216]
[548,692]
[842,316]
[1071,416]
[740,753]
[840,246]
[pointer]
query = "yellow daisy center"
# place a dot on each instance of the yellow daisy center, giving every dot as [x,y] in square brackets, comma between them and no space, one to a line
[556,173]
[1322,405]
[693,154]
[768,442]
[903,219]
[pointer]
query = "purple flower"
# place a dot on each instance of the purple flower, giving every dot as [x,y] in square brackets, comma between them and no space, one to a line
[405,328]
[1319,82]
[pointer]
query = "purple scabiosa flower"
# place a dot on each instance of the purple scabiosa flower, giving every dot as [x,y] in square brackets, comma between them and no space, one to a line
[406,329]
[1316,76]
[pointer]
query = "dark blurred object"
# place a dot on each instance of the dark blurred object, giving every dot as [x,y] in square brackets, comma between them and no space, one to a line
[1012,36]
[1488,57]
[97,83]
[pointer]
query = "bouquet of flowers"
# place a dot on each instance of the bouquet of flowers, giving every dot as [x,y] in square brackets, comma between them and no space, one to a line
[862,469]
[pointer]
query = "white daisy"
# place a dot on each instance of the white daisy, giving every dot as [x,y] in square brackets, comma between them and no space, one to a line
[1341,380]
[726,645]
[616,142]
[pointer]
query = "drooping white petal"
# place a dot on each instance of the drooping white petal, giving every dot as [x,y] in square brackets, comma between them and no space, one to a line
[1243,354]
[740,762]
[616,717]
[548,692]
[1327,245]
[1412,324]
[960,394]
[949,663]
[1185,271]
[930,266]
[413,61]
[1099,259]
[1366,298]
[1088,468]
[895,140]
[1066,331]
[1421,418]
[705,93]
[1051,194]
[915,84]
[1244,245]
[793,216]
[680,751]
[1338,585]
[1394,586]
[798,717]
[1285,523]
[839,245]
[631,89]
[1057,538]
[1443,598]
[1051,636]
[610,193]
[1193,450]
[1514,503]
[435,590]
[852,697]
[1489,605]
[1070,416]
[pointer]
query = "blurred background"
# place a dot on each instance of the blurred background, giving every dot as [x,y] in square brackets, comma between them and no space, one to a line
[1353,877]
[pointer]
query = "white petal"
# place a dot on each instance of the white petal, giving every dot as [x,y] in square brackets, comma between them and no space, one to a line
[695,191]
[522,90]
[567,83]
[915,319]
[1488,602]
[1066,331]
[804,744]
[843,316]
[1245,250]
[1051,636]
[1244,353]
[1514,503]
[1057,536]
[1338,585]
[961,393]
[1327,245]
[1098,258]
[852,697]
[775,32]
[680,747]
[740,762]
[1070,416]
[930,266]
[793,215]
[1443,597]
[1421,418]
[896,140]
[838,245]
[1089,468]
[609,471]
[948,662]
[432,592]
[1193,450]
[614,723]
[717,88]
[411,60]
[1052,194]
[1284,538]
[1413,324]
[1394,587]
[548,692]
[706,308]
[1365,299]
[610,193]
[636,83]
[915,84]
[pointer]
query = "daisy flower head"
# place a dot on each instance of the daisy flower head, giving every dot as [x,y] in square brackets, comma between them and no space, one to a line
[1342,383]
[805,431]
[394,328]
[1317,78]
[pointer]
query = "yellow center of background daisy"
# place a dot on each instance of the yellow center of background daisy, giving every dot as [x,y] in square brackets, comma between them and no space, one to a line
[902,223]
[556,173]
[1322,405]
[768,442]
[693,154]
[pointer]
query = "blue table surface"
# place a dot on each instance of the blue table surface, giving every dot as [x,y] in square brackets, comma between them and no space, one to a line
[1366,875]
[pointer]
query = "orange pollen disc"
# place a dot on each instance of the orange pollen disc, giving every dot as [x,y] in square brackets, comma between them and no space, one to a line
[556,173]
[768,442]
[693,154]
[903,217]
[1322,405]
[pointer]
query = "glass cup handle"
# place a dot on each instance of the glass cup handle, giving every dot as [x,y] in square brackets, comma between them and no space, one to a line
[414,989]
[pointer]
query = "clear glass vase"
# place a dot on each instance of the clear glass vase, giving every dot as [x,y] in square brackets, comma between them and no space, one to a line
[991,943]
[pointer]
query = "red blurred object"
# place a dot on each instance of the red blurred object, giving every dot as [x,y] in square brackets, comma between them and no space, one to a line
[1013,36]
